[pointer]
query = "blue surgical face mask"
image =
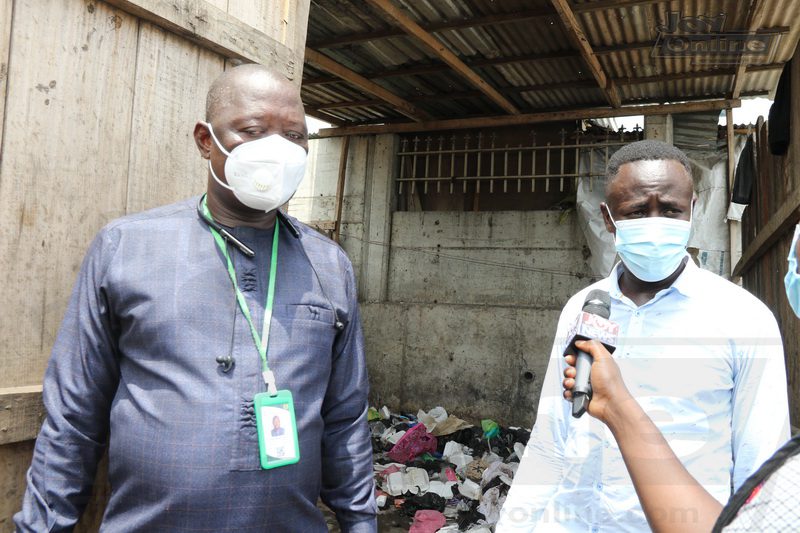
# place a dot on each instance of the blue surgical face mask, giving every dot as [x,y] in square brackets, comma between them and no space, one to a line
[652,248]
[792,279]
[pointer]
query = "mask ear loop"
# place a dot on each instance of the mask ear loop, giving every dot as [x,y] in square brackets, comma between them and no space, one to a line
[216,141]
[608,210]
[221,149]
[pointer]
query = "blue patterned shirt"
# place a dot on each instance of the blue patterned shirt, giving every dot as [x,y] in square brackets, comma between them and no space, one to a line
[133,369]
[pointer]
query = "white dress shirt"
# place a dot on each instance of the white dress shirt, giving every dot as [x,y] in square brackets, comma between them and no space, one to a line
[704,359]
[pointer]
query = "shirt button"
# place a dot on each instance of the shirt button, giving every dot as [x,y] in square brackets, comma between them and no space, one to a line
[600,486]
[595,529]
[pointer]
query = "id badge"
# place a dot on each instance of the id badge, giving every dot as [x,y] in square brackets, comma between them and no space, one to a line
[277,429]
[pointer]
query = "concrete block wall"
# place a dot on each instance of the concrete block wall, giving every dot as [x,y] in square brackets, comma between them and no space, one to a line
[459,308]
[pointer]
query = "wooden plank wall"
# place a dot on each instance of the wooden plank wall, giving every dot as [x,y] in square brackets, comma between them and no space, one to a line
[778,179]
[97,105]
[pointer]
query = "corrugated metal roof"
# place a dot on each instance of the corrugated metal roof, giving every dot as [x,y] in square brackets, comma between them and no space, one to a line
[522,49]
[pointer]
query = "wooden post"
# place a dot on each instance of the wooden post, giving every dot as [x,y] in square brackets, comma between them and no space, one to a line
[734,226]
[340,187]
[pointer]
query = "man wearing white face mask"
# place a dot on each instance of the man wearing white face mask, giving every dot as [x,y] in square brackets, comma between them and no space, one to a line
[701,356]
[191,330]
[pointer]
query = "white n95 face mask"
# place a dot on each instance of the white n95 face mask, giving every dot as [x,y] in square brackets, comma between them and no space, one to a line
[652,248]
[263,174]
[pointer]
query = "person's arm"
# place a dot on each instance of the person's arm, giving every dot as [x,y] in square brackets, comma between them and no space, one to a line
[79,385]
[760,419]
[348,487]
[660,479]
[541,468]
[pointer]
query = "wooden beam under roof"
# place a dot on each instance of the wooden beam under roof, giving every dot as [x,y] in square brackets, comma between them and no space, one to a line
[311,111]
[677,76]
[558,85]
[406,108]
[576,35]
[216,30]
[531,118]
[754,18]
[439,49]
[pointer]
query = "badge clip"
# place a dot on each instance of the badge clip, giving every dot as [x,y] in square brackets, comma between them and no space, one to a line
[269,381]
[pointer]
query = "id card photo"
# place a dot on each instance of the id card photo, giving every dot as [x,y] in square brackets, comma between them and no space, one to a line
[277,431]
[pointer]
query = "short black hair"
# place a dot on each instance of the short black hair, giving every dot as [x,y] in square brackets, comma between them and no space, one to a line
[647,150]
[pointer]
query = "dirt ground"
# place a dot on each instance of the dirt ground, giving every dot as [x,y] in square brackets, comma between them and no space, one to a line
[389,521]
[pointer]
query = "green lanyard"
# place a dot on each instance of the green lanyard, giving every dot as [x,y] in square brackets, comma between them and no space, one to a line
[262,341]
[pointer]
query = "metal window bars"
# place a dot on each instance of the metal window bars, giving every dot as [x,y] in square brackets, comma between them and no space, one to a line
[450,161]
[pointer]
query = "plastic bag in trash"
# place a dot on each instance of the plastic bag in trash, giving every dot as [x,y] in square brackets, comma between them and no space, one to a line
[416,441]
[432,418]
[460,460]
[490,428]
[451,425]
[429,500]
[391,435]
[381,500]
[491,457]
[413,480]
[505,471]
[427,521]
[519,450]
[470,489]
[451,448]
[490,505]
[469,517]
[442,489]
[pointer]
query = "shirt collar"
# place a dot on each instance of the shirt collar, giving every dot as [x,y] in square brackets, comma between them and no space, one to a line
[686,284]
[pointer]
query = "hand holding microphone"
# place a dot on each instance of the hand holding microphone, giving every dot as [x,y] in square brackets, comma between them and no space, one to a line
[608,388]
[592,324]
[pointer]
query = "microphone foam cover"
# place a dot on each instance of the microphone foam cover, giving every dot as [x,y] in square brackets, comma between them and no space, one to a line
[598,303]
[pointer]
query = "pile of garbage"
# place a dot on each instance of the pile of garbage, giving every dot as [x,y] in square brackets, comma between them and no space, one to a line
[443,472]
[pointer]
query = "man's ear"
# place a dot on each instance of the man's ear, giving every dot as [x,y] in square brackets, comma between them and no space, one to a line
[607,219]
[203,140]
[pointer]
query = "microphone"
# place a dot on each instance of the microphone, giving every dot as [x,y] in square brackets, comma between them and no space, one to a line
[592,324]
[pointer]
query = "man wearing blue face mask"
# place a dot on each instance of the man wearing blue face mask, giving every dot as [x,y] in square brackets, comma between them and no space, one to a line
[702,358]
[197,328]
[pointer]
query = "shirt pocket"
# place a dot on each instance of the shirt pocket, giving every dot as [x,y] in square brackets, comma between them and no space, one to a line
[301,348]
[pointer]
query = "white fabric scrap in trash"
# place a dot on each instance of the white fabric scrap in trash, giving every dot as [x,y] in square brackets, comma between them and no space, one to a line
[505,471]
[452,447]
[490,505]
[470,489]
